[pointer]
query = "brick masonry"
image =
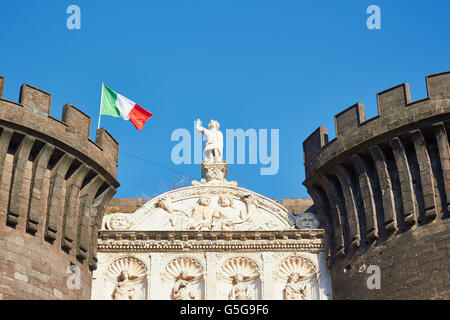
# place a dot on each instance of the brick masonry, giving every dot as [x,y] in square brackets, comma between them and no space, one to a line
[413,265]
[298,205]
[125,205]
[54,186]
[382,192]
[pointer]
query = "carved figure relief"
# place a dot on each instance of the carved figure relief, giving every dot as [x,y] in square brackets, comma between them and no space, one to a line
[187,274]
[201,215]
[176,215]
[182,289]
[226,217]
[181,209]
[124,289]
[241,272]
[117,221]
[239,290]
[307,220]
[213,212]
[128,272]
[252,208]
[296,287]
[214,173]
[297,272]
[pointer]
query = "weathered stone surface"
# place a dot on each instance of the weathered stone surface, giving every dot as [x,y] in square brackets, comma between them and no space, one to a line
[45,166]
[399,164]
[125,205]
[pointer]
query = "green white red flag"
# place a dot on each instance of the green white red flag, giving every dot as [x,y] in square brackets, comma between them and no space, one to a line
[116,105]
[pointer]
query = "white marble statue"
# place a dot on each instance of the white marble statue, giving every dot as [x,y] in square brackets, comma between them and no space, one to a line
[226,217]
[239,290]
[187,274]
[124,289]
[252,208]
[296,286]
[182,289]
[201,215]
[175,214]
[295,290]
[214,141]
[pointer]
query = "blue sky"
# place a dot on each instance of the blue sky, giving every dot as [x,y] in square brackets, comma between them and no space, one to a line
[287,65]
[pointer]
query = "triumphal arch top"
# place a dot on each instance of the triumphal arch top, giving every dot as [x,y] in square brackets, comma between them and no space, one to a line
[211,240]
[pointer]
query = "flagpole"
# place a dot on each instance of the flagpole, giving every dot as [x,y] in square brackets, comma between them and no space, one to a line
[100,112]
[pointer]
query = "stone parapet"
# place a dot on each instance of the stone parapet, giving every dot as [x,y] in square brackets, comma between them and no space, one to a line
[54,186]
[381,181]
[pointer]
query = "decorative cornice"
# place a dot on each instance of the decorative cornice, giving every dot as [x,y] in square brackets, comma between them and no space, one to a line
[193,241]
[213,235]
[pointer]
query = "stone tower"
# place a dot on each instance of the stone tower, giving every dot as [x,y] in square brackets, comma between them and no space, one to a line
[54,185]
[382,191]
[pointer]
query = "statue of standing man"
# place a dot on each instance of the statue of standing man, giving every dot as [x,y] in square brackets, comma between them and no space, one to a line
[214,141]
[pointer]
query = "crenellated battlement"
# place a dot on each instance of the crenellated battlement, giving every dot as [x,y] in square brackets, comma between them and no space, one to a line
[2,85]
[33,113]
[55,183]
[381,189]
[395,110]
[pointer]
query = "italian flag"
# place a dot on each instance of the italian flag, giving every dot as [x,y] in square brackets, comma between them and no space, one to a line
[116,105]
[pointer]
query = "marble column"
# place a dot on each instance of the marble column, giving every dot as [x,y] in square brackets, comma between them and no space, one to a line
[267,282]
[155,278]
[210,276]
[324,278]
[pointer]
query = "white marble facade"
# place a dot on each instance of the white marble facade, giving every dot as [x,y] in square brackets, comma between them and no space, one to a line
[212,240]
[265,276]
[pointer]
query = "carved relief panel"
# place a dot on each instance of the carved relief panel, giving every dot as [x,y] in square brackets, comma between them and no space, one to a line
[181,278]
[296,278]
[205,207]
[239,278]
[127,279]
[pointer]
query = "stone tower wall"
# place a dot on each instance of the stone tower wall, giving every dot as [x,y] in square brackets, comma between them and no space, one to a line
[54,185]
[382,191]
